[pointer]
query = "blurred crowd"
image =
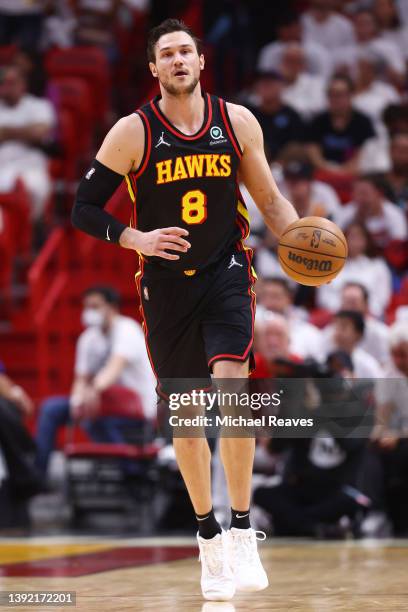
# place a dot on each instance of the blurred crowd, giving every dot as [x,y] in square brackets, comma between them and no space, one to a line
[330,93]
[57,62]
[328,82]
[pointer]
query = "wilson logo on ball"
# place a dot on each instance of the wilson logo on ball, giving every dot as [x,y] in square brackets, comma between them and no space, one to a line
[311,264]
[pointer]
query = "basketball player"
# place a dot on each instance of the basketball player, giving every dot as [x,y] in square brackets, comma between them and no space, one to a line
[180,155]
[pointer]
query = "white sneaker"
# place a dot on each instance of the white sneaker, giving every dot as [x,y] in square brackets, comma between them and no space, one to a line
[217,581]
[244,558]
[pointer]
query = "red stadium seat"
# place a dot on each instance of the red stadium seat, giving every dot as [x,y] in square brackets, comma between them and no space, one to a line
[6,248]
[16,204]
[74,95]
[64,166]
[95,450]
[103,462]
[15,239]
[116,401]
[396,253]
[89,64]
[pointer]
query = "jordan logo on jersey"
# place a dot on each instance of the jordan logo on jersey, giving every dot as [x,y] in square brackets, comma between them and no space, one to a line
[193,166]
[161,141]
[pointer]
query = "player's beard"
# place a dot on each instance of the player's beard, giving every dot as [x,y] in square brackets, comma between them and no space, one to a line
[182,90]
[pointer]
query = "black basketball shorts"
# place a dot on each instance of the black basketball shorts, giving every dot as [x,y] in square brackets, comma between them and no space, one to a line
[192,321]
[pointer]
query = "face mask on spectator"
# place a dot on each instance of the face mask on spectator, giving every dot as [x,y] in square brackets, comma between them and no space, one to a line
[91,317]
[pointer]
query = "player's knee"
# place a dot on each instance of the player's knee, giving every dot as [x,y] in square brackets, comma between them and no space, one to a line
[230,369]
[189,444]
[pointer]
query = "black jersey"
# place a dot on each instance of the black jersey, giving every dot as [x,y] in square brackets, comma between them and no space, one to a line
[190,182]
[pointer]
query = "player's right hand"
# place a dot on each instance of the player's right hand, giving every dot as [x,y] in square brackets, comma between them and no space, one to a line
[157,242]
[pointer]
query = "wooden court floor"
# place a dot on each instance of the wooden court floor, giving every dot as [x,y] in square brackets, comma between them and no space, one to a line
[163,574]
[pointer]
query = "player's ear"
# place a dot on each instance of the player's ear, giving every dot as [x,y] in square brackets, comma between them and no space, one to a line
[202,61]
[153,69]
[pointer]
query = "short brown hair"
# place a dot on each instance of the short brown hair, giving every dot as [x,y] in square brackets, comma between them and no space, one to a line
[167,27]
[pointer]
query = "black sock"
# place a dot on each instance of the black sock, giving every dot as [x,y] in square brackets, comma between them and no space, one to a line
[208,526]
[240,519]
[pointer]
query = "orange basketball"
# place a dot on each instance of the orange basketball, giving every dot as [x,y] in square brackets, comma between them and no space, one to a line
[312,250]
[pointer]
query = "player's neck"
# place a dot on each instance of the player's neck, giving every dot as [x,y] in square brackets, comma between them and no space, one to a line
[185,112]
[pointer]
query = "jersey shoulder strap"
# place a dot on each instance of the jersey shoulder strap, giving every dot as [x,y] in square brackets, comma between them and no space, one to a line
[221,114]
[142,112]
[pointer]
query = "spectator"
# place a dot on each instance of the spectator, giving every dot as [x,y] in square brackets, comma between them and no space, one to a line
[372,95]
[272,343]
[384,221]
[32,68]
[277,296]
[279,122]
[18,478]
[307,196]
[318,487]
[94,22]
[390,24]
[397,177]
[111,352]
[303,91]
[322,471]
[21,22]
[323,197]
[323,26]
[336,136]
[348,331]
[396,118]
[402,6]
[289,30]
[349,7]
[392,391]
[266,259]
[375,156]
[375,340]
[26,126]
[354,296]
[59,25]
[362,267]
[367,37]
[229,21]
[391,430]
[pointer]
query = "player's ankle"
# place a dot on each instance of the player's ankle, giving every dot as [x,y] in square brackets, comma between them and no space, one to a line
[208,526]
[240,519]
